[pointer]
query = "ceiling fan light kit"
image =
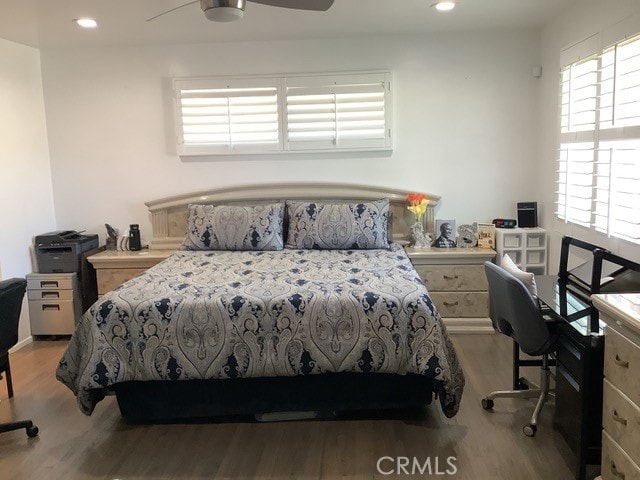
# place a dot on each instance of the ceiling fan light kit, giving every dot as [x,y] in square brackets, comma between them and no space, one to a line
[223,10]
[231,10]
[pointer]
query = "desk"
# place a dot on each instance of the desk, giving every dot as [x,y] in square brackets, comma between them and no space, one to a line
[579,370]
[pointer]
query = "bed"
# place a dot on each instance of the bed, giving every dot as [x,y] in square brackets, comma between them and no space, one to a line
[237,322]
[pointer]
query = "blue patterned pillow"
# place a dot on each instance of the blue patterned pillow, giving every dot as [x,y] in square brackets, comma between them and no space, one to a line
[230,227]
[346,226]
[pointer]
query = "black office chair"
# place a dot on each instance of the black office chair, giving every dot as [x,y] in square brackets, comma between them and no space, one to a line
[11,295]
[516,313]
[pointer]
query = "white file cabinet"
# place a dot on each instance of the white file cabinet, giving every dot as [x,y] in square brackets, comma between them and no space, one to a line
[54,303]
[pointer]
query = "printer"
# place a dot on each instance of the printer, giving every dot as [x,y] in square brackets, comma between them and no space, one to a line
[61,251]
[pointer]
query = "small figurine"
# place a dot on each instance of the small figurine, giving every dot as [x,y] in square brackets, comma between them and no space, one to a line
[112,237]
[420,238]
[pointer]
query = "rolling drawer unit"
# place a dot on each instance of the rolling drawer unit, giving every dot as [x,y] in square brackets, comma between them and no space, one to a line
[621,399]
[457,285]
[54,303]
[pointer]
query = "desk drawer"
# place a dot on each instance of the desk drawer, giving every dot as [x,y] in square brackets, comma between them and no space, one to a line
[621,364]
[621,420]
[50,295]
[40,282]
[616,464]
[570,357]
[461,304]
[453,277]
[52,317]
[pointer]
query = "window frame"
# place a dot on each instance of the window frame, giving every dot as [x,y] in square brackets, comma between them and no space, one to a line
[603,138]
[280,82]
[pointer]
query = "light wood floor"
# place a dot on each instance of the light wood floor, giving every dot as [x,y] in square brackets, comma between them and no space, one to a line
[486,445]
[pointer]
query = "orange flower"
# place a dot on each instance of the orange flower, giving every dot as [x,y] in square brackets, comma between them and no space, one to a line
[416,198]
[418,207]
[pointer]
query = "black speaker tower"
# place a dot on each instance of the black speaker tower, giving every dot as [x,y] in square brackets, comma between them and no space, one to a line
[527,214]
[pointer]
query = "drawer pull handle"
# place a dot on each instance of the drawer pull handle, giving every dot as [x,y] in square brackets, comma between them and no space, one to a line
[450,304]
[621,362]
[50,294]
[48,283]
[618,418]
[50,307]
[451,277]
[615,471]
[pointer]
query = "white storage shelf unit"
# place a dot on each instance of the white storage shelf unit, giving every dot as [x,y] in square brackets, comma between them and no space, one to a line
[527,247]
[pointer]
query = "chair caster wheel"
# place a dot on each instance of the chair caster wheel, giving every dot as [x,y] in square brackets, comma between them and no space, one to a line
[32,431]
[522,384]
[487,403]
[529,430]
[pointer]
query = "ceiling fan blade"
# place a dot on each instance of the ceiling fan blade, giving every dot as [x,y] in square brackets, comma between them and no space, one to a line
[172,10]
[318,5]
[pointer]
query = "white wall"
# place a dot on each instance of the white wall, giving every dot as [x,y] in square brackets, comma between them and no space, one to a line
[465,108]
[26,196]
[588,18]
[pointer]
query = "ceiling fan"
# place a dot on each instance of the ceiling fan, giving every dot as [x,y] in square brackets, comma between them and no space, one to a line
[230,10]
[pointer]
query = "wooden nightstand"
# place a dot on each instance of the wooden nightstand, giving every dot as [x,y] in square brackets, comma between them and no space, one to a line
[113,268]
[457,285]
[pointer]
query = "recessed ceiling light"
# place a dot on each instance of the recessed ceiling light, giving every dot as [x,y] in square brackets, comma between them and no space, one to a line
[86,22]
[444,5]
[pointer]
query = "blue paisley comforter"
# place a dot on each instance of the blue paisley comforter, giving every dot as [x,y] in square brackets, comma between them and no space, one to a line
[220,314]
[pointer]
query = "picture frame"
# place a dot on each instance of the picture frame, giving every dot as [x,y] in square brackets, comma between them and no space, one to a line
[486,235]
[445,234]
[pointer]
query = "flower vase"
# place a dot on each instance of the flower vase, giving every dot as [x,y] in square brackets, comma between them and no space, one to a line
[418,237]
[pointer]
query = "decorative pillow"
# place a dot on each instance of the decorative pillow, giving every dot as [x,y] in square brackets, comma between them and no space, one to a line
[230,227]
[527,278]
[346,226]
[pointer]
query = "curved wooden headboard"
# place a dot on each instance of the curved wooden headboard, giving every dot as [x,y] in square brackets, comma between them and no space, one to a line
[169,215]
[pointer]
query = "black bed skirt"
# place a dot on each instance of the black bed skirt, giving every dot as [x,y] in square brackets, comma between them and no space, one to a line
[167,401]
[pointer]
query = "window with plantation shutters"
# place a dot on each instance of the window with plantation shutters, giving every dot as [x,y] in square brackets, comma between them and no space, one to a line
[241,116]
[334,112]
[323,112]
[599,156]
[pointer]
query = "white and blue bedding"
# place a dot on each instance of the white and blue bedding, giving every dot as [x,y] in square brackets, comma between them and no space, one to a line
[239,314]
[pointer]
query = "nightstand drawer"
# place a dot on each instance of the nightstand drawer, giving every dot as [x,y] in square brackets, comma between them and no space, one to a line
[621,420]
[616,464]
[621,363]
[108,279]
[461,304]
[453,277]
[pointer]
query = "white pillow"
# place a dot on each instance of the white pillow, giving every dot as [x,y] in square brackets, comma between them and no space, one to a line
[525,277]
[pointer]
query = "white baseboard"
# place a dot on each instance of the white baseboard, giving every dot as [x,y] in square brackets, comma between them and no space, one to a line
[21,344]
[468,325]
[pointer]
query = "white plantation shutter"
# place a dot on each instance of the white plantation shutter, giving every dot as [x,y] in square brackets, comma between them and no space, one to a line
[620,85]
[579,92]
[346,111]
[617,206]
[322,112]
[599,157]
[575,183]
[227,118]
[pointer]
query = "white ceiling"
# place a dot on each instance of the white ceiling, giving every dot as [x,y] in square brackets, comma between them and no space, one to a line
[48,24]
